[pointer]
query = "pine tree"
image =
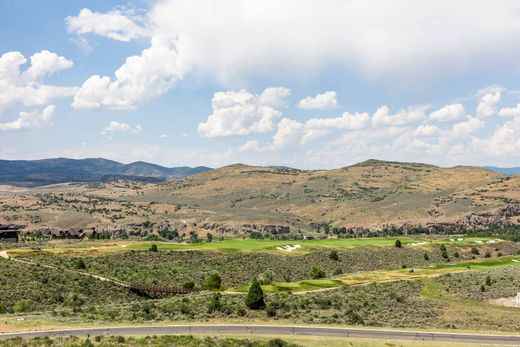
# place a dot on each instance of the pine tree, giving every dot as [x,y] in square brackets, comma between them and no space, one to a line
[255,296]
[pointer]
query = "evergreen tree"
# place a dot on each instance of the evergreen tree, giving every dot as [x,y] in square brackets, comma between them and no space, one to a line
[398,243]
[255,296]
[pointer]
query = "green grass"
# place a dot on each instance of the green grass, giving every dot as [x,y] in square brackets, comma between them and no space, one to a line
[250,245]
[306,245]
[295,287]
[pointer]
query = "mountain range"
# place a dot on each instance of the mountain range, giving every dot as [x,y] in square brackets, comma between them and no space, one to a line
[33,173]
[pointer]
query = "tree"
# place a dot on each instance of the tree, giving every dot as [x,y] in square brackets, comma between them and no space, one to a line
[209,236]
[215,304]
[398,243]
[3,309]
[426,257]
[488,281]
[334,255]
[475,251]
[213,282]
[317,273]
[153,248]
[255,296]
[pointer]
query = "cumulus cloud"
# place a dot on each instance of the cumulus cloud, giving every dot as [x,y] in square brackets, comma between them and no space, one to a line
[243,113]
[234,42]
[30,120]
[327,100]
[487,106]
[405,116]
[510,111]
[115,24]
[468,127]
[26,88]
[346,121]
[117,127]
[449,113]
[139,79]
[374,37]
[504,141]
[425,130]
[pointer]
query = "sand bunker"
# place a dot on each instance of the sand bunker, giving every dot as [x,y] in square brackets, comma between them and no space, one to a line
[288,248]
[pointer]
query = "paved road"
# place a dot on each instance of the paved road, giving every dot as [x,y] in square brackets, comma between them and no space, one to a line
[276,330]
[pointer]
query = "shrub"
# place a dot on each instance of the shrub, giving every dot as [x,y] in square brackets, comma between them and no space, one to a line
[270,311]
[209,236]
[80,264]
[255,296]
[337,272]
[487,255]
[277,343]
[3,309]
[475,251]
[188,285]
[456,254]
[317,273]
[482,289]
[488,280]
[22,306]
[153,248]
[213,282]
[215,304]
[426,257]
[398,243]
[334,255]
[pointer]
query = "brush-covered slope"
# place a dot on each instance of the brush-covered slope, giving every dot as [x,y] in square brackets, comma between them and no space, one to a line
[372,193]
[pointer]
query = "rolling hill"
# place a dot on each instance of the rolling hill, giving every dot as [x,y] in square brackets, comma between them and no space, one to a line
[237,198]
[33,173]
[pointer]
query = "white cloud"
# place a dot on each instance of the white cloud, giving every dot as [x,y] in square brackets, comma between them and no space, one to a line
[449,113]
[346,121]
[252,39]
[115,25]
[505,141]
[25,88]
[404,117]
[242,113]
[117,127]
[468,127]
[425,130]
[327,100]
[30,120]
[250,146]
[163,136]
[510,111]
[141,78]
[487,106]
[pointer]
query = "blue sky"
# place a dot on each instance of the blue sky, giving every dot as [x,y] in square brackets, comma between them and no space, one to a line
[320,84]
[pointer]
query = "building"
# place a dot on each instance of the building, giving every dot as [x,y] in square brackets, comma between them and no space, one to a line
[9,233]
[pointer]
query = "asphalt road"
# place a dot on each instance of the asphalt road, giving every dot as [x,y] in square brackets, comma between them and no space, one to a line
[276,330]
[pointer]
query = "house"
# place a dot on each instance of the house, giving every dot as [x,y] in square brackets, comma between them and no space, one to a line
[9,233]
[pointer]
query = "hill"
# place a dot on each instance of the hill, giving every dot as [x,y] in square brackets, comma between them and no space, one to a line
[238,198]
[33,173]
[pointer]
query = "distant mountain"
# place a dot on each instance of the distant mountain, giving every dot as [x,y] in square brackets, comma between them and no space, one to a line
[32,173]
[504,170]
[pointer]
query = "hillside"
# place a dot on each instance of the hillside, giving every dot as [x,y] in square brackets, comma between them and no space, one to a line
[372,193]
[33,173]
[238,197]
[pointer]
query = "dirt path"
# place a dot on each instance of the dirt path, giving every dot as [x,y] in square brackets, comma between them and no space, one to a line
[5,255]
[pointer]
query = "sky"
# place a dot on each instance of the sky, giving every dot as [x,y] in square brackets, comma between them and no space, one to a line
[311,84]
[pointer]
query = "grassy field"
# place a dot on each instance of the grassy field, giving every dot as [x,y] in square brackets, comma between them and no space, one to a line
[249,245]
